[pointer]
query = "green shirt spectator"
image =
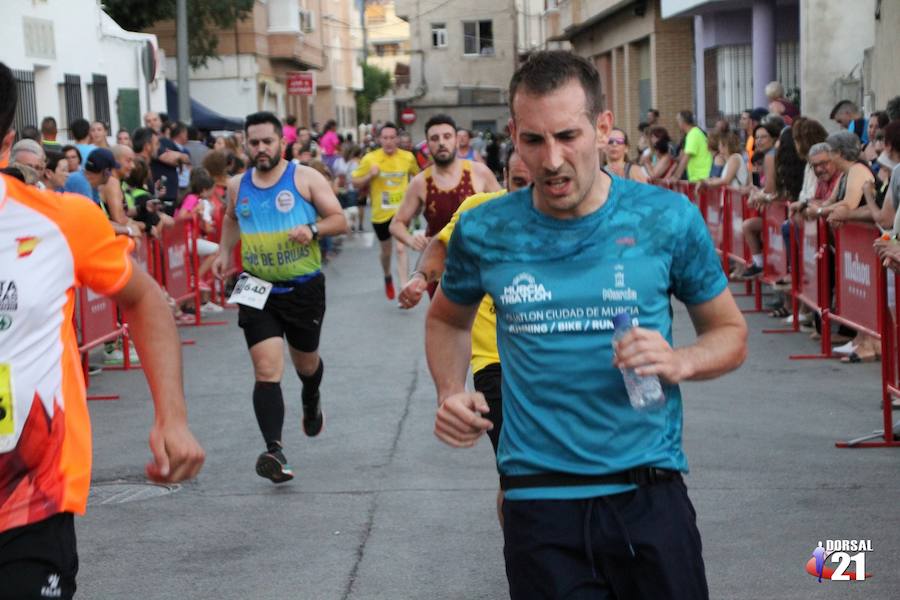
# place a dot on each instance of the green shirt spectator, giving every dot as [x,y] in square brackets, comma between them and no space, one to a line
[700,158]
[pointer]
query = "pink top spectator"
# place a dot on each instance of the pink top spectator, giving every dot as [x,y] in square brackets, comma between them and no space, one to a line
[289,134]
[187,205]
[329,143]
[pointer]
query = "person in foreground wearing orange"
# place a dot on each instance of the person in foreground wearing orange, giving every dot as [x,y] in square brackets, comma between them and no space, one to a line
[51,244]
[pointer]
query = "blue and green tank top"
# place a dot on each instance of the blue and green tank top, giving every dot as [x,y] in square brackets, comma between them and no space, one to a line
[266,216]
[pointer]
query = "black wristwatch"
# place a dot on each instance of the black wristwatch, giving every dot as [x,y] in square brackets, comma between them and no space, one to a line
[315,230]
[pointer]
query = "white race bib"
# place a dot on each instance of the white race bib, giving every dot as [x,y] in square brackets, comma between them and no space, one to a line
[250,291]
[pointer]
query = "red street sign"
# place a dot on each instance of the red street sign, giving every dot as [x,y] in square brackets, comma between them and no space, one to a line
[408,116]
[301,83]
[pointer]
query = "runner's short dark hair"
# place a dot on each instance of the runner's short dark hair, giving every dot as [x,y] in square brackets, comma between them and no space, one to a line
[389,125]
[440,119]
[8,99]
[549,70]
[264,116]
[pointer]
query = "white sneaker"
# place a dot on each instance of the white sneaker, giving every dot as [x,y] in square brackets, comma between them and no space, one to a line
[211,307]
[789,320]
[846,349]
[117,357]
[113,357]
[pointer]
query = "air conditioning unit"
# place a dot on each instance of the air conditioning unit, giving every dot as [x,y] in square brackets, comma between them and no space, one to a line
[307,21]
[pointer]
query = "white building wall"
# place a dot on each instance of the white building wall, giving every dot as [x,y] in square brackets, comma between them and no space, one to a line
[226,84]
[84,41]
[832,42]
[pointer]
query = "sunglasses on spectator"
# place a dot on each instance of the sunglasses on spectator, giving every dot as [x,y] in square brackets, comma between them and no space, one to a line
[616,141]
[819,164]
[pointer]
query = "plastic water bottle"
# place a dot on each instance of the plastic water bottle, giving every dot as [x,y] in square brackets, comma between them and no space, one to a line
[645,393]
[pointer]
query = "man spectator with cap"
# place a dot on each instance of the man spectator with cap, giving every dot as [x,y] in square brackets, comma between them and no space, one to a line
[846,114]
[695,158]
[94,173]
[81,133]
[48,134]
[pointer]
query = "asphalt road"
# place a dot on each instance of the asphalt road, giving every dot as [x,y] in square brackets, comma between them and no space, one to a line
[381,509]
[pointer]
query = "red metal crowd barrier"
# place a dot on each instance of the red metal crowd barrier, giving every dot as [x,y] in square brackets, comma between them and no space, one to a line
[97,323]
[865,293]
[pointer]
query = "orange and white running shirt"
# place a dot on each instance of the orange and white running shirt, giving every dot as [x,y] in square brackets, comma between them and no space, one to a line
[49,245]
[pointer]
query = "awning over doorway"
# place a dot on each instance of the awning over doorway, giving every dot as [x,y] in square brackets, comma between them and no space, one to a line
[202,117]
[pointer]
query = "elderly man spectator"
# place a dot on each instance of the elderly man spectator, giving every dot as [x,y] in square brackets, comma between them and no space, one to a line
[846,114]
[821,175]
[49,133]
[29,153]
[696,159]
[779,104]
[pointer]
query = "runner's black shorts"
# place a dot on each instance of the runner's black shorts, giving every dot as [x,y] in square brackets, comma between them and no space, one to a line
[383,230]
[296,315]
[39,560]
[487,381]
[639,545]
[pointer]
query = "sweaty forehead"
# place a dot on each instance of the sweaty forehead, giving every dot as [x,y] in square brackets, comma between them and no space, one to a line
[258,132]
[562,109]
[441,130]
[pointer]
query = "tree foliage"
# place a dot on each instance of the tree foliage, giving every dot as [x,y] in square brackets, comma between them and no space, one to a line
[376,83]
[204,17]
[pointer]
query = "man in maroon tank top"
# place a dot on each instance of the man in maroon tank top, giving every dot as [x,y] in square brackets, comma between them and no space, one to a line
[442,187]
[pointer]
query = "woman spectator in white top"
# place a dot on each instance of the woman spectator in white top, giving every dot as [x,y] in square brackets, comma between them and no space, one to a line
[734,172]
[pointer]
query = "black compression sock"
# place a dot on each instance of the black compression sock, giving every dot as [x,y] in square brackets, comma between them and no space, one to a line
[268,404]
[311,382]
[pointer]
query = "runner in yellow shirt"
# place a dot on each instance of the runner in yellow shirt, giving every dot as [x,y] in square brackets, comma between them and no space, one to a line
[485,357]
[387,172]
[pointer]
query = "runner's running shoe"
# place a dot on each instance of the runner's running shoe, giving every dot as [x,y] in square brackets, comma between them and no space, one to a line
[313,416]
[389,289]
[274,466]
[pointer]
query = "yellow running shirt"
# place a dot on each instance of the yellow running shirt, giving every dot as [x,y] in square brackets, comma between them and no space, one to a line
[484,330]
[387,189]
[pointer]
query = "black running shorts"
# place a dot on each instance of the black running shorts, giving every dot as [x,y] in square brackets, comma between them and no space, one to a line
[639,545]
[383,230]
[39,560]
[487,381]
[296,315]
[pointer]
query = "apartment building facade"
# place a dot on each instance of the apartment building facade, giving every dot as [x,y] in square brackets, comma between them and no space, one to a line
[256,56]
[463,55]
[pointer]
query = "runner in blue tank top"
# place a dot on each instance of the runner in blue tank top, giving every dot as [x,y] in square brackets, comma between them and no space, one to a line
[273,210]
[595,504]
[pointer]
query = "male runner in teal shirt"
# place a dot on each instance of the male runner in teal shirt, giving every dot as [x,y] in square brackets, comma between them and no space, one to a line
[595,500]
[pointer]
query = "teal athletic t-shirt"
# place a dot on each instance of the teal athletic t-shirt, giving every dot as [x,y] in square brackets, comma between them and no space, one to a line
[556,285]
